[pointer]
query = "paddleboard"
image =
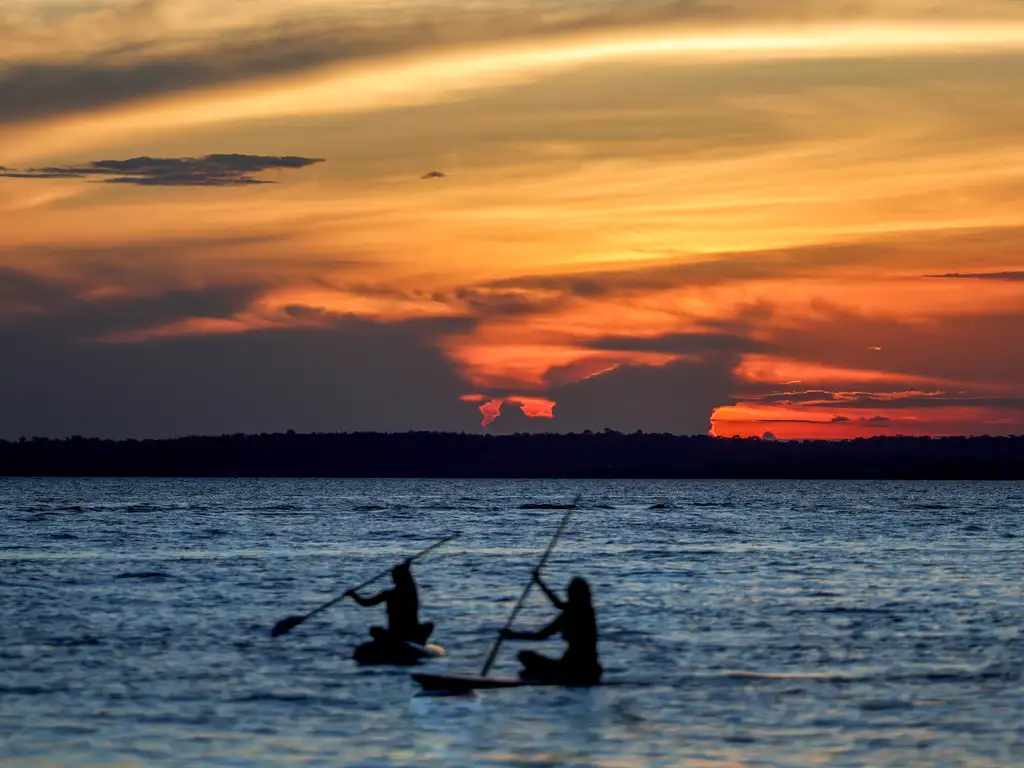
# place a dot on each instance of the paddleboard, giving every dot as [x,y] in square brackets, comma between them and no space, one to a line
[407,654]
[428,651]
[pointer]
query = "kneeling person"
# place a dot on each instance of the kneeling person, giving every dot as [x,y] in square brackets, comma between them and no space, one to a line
[403,612]
[578,627]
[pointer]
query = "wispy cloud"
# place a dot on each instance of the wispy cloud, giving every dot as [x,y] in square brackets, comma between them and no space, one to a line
[889,401]
[64,57]
[223,170]
[980,276]
[319,62]
[663,270]
[836,421]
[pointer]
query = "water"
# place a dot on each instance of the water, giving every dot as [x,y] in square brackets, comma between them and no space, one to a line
[788,624]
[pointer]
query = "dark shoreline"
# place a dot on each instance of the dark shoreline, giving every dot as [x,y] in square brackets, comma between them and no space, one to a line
[598,455]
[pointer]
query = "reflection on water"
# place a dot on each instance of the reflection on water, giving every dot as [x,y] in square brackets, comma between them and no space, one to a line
[789,624]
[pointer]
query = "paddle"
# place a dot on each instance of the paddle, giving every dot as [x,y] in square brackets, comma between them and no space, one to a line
[287,625]
[522,598]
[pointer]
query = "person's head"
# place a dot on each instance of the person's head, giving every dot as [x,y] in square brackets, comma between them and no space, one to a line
[579,591]
[401,574]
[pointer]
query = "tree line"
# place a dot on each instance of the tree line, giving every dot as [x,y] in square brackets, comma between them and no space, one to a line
[598,455]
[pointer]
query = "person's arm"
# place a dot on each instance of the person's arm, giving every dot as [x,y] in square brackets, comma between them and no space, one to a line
[542,634]
[551,595]
[368,602]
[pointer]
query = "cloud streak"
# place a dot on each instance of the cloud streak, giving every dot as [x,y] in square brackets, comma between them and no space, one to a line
[980,276]
[673,269]
[414,66]
[888,401]
[219,170]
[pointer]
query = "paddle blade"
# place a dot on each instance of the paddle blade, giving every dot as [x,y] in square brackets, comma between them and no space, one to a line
[286,625]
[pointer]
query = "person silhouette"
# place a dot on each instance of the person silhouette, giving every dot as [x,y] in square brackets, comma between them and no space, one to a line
[403,610]
[577,624]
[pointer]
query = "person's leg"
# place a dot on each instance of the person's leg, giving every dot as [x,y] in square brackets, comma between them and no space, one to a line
[581,674]
[367,653]
[423,632]
[380,634]
[538,667]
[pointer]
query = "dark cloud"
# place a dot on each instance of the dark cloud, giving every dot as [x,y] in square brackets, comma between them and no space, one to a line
[135,64]
[432,327]
[348,374]
[117,262]
[836,421]
[677,398]
[939,400]
[353,378]
[323,371]
[217,170]
[72,83]
[494,303]
[21,291]
[980,276]
[513,420]
[795,421]
[809,396]
[47,173]
[56,310]
[151,266]
[830,401]
[434,175]
[507,299]
[586,289]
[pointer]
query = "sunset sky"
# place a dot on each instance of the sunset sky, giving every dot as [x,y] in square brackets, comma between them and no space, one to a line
[802,217]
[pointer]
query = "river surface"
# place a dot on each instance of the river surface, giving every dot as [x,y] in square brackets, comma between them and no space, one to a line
[753,623]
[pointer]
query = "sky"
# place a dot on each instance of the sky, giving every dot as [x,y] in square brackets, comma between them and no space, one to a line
[799,218]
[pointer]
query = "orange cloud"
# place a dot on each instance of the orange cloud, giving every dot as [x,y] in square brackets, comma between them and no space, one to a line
[787,423]
[490,410]
[533,407]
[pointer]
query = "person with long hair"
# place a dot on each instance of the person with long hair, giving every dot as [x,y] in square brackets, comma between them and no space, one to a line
[577,623]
